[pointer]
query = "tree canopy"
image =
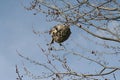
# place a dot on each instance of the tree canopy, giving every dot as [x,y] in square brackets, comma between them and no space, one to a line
[93,52]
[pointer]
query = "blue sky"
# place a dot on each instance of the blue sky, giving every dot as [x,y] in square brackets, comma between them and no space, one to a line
[16,34]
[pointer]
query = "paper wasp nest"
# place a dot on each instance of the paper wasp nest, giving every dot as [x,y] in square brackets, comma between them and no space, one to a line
[60,33]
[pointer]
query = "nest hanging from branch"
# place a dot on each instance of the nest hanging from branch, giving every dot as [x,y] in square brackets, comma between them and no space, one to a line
[60,33]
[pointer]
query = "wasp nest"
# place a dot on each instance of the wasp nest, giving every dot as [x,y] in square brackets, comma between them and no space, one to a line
[60,33]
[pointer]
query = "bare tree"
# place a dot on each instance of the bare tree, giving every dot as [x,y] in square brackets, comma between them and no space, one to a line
[97,23]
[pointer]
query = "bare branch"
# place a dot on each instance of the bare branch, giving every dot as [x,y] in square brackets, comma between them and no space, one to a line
[98,36]
[18,74]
